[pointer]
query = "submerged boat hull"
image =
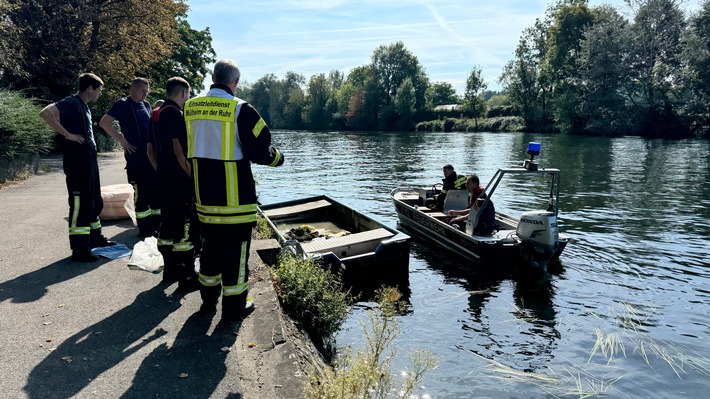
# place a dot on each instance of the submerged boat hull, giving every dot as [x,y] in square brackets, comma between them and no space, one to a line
[361,249]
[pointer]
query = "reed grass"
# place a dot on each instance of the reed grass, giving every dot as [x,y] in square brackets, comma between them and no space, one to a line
[367,373]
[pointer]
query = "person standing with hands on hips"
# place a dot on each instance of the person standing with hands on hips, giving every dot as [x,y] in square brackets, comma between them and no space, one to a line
[71,117]
[133,115]
[225,135]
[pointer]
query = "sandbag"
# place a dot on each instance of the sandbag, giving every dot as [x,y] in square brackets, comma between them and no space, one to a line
[118,202]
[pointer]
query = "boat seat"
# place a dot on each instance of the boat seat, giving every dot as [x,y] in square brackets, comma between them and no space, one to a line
[366,241]
[296,209]
[455,200]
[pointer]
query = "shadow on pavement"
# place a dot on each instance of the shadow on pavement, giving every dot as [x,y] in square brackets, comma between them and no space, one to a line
[33,286]
[192,367]
[86,355]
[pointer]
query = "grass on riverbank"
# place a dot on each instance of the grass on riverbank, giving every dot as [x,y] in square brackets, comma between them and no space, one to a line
[367,373]
[496,124]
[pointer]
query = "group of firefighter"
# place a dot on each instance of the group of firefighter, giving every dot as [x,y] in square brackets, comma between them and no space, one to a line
[189,162]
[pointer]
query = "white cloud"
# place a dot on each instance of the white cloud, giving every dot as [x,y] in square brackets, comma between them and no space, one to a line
[316,36]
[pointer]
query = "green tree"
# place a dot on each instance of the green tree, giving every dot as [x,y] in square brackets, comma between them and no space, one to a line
[570,18]
[697,53]
[603,71]
[279,96]
[472,101]
[293,110]
[364,100]
[191,55]
[656,63]
[521,77]
[117,39]
[318,93]
[259,95]
[441,93]
[404,102]
[393,64]
[11,50]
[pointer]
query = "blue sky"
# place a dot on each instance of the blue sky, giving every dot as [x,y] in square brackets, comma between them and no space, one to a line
[448,37]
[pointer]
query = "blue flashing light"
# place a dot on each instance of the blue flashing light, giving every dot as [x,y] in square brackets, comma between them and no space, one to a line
[533,148]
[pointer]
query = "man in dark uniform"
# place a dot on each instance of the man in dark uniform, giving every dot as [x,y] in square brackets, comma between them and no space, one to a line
[71,118]
[451,182]
[225,135]
[167,149]
[133,115]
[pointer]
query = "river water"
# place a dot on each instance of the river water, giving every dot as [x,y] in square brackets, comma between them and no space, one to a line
[626,312]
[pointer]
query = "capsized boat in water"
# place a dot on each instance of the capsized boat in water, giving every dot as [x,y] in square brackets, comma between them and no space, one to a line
[345,240]
[533,236]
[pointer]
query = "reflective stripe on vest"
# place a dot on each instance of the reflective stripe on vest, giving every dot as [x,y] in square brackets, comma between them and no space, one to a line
[460,183]
[212,131]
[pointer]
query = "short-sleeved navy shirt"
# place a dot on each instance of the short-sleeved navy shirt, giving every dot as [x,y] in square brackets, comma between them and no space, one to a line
[133,118]
[75,116]
[170,125]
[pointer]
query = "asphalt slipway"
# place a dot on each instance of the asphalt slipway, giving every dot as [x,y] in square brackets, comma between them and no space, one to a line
[101,330]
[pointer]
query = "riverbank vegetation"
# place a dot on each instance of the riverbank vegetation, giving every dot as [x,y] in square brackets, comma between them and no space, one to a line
[367,373]
[23,136]
[313,297]
[579,69]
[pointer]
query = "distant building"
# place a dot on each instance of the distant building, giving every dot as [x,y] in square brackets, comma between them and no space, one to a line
[448,107]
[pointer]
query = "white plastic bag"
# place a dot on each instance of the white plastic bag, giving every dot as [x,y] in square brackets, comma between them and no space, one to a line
[146,256]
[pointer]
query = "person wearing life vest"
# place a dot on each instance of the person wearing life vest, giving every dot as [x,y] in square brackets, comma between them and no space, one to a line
[225,135]
[71,118]
[133,115]
[167,150]
[452,181]
[486,218]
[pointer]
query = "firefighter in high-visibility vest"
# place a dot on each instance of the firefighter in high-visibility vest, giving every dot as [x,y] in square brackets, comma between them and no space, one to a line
[225,135]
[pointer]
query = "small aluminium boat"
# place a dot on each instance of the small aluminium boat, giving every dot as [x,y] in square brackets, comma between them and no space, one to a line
[533,236]
[345,240]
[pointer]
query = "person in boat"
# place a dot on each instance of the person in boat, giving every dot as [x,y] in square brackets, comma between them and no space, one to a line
[486,218]
[451,181]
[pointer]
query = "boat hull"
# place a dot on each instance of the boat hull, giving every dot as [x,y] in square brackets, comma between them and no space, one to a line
[370,254]
[502,245]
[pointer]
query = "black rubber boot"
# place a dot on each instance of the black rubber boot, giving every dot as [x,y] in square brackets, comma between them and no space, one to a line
[83,255]
[99,240]
[170,272]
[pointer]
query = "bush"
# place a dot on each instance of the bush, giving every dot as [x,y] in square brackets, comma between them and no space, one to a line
[23,134]
[313,297]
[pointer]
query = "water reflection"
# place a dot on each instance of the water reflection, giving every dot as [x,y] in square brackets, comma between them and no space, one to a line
[638,213]
[510,317]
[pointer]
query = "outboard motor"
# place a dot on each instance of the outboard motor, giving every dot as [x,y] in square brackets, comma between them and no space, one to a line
[539,236]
